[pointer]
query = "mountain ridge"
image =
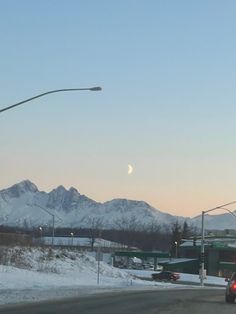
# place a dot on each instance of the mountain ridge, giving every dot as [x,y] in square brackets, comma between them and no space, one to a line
[20,206]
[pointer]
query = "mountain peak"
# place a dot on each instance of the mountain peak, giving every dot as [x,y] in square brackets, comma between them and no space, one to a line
[26,185]
[60,188]
[63,198]
[22,187]
[73,190]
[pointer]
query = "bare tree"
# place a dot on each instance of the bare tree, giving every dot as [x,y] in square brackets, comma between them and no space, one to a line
[96,225]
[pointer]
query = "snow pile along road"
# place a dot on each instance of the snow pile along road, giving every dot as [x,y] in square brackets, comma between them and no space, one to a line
[31,274]
[54,267]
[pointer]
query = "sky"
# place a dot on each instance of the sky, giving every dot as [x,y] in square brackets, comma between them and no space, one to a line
[167,69]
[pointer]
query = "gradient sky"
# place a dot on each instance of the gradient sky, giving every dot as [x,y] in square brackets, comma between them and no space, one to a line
[168,105]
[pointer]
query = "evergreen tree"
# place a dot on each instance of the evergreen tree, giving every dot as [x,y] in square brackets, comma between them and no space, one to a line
[186,233]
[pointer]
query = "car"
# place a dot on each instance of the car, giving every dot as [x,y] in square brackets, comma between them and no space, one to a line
[166,276]
[230,293]
[148,265]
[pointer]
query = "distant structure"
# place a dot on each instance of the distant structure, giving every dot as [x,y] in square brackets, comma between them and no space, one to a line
[220,252]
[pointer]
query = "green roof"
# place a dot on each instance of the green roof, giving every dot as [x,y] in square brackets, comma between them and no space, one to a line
[142,254]
[180,262]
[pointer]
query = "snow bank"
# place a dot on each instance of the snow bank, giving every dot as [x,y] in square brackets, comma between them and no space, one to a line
[30,274]
[33,274]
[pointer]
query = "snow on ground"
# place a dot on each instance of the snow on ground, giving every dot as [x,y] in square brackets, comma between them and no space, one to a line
[33,274]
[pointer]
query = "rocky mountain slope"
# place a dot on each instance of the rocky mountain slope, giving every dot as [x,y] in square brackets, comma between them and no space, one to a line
[24,205]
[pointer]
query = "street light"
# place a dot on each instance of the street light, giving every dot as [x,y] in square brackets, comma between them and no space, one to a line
[93,89]
[176,249]
[203,237]
[72,237]
[41,234]
[53,220]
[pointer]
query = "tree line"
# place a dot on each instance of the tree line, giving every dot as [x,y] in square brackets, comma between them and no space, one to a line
[149,237]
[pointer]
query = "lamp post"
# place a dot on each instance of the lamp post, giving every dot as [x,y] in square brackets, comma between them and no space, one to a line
[72,237]
[202,269]
[99,256]
[53,220]
[41,234]
[176,249]
[93,89]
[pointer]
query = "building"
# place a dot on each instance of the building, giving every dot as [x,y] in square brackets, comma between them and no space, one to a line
[220,254]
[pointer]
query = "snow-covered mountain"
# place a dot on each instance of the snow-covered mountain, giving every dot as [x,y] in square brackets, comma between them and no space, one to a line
[24,205]
[216,222]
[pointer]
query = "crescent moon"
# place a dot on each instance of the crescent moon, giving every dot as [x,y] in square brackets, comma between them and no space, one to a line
[130,169]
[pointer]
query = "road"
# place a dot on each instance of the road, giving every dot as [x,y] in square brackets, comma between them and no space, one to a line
[146,302]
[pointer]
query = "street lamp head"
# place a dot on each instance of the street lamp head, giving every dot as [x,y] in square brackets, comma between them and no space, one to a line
[95,89]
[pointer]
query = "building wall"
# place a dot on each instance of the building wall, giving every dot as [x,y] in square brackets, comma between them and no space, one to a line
[213,263]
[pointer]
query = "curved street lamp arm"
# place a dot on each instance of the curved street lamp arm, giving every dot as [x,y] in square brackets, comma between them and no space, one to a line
[44,209]
[47,211]
[229,211]
[97,88]
[218,207]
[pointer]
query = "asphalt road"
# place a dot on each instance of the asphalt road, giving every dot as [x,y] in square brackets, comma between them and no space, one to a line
[146,302]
